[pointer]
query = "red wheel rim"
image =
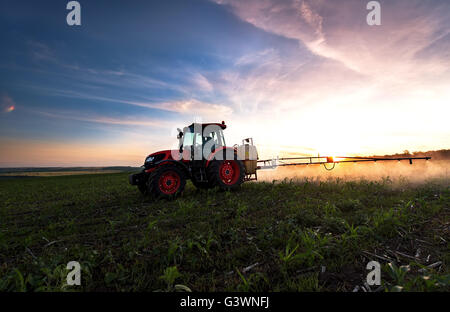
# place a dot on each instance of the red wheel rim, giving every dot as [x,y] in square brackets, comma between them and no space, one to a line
[169,182]
[229,172]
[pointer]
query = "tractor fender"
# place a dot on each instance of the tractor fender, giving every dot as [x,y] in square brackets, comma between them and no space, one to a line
[211,156]
[166,162]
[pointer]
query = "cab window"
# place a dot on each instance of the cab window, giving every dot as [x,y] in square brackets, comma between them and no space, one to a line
[188,139]
[216,136]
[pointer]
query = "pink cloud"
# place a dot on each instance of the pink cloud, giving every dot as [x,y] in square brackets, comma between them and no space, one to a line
[7,104]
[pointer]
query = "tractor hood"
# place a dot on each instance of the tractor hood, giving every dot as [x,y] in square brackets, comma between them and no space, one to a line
[166,154]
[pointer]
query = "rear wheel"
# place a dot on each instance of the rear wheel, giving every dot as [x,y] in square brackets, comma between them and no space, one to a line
[166,182]
[226,174]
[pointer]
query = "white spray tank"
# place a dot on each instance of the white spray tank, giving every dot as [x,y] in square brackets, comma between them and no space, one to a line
[249,155]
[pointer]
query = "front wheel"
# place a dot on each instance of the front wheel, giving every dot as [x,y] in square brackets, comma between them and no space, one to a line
[226,174]
[166,182]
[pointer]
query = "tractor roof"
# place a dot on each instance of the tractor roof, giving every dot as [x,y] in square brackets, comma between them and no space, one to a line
[222,125]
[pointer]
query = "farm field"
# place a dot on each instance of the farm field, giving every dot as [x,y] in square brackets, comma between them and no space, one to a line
[304,235]
[59,171]
[54,173]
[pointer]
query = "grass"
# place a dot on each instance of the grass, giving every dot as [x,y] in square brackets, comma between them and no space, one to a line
[288,236]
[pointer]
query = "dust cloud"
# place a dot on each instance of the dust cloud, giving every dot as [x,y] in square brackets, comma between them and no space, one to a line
[421,171]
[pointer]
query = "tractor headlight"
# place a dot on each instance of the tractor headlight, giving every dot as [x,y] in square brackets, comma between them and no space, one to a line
[151,160]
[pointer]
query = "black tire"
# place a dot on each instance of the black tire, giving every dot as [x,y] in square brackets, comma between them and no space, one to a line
[166,182]
[218,179]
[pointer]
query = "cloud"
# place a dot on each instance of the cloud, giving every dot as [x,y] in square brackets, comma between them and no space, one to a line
[7,104]
[295,19]
[201,82]
[191,107]
[339,31]
[137,89]
[41,51]
[312,18]
[101,119]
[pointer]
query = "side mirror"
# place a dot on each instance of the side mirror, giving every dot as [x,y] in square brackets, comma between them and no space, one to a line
[180,135]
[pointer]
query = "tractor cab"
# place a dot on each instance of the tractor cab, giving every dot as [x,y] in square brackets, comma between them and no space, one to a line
[198,142]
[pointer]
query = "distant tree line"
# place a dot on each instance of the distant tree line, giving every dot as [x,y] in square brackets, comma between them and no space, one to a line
[436,155]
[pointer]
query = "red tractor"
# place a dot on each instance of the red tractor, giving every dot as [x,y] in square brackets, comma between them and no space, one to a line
[202,157]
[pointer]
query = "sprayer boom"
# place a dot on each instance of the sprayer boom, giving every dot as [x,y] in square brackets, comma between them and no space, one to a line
[324,160]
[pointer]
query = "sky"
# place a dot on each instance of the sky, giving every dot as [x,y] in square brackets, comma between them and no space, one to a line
[301,77]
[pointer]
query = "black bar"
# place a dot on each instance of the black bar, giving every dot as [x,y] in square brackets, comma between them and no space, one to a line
[354,159]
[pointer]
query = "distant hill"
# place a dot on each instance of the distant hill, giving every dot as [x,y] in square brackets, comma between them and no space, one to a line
[64,169]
